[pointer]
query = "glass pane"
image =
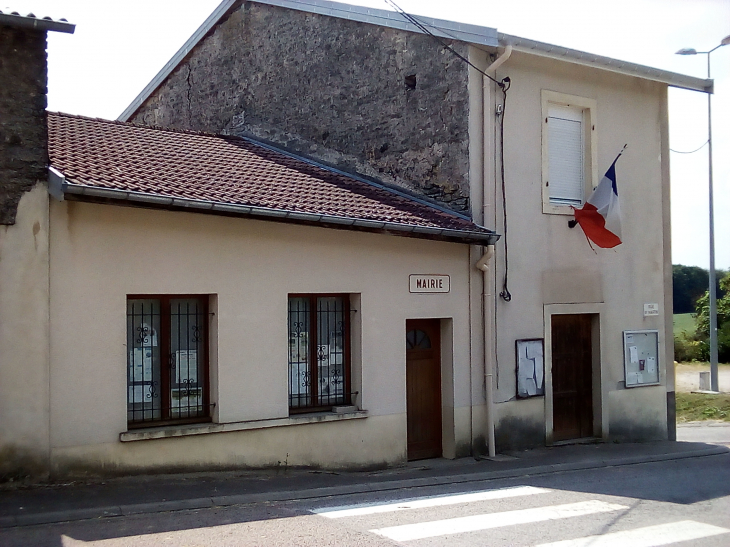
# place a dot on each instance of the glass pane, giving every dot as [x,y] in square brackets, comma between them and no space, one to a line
[331,362]
[187,345]
[417,339]
[143,360]
[299,385]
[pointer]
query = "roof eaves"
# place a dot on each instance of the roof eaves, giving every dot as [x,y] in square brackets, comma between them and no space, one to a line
[672,79]
[464,32]
[480,236]
[30,21]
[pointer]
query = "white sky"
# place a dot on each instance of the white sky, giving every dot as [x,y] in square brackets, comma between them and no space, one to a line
[120,45]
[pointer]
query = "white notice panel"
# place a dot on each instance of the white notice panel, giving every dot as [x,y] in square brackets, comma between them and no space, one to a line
[641,357]
[530,368]
[428,283]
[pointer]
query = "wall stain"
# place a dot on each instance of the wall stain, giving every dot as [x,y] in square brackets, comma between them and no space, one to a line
[513,433]
[36,229]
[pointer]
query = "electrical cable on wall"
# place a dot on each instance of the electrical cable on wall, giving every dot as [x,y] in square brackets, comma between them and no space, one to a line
[418,24]
[504,85]
[505,294]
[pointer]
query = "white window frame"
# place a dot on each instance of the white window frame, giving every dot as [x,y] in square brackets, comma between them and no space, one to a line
[590,147]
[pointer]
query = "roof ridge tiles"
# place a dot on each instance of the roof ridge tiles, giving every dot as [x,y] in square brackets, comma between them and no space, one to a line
[140,125]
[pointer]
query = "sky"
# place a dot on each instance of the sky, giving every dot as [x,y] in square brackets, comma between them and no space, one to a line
[120,45]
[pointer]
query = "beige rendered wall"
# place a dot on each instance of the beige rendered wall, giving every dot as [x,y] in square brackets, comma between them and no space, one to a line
[552,264]
[102,253]
[24,417]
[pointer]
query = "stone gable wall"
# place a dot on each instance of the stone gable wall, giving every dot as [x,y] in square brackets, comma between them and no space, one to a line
[330,89]
[23,133]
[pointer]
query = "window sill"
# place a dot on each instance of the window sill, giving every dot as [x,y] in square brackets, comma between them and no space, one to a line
[207,428]
[567,210]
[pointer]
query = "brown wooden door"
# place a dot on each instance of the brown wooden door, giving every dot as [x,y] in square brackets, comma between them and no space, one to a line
[423,388]
[572,377]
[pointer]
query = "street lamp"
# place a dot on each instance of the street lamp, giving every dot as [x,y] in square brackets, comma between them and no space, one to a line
[712,293]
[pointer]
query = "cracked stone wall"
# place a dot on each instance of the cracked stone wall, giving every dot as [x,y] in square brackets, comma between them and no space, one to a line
[383,103]
[23,134]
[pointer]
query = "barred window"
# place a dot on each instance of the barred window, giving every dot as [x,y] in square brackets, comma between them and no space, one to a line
[167,360]
[319,352]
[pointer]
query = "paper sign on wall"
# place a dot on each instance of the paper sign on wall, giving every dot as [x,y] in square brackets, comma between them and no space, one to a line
[634,353]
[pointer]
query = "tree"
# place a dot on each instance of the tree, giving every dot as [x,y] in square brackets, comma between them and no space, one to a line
[723,321]
[689,282]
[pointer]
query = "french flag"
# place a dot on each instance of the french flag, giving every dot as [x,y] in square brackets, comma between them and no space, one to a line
[600,217]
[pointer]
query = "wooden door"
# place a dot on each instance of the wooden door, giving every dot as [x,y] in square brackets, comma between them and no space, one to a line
[423,388]
[572,374]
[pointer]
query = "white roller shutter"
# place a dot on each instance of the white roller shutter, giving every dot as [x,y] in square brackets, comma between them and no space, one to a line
[566,173]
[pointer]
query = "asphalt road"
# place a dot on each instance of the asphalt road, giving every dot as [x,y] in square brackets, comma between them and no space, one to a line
[683,502]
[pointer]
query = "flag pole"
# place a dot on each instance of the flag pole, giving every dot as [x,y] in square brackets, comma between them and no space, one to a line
[573,223]
[619,154]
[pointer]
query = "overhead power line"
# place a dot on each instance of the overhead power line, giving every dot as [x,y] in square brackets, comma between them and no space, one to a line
[418,24]
[692,151]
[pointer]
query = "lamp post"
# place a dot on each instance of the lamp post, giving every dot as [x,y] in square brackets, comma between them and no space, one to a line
[712,292]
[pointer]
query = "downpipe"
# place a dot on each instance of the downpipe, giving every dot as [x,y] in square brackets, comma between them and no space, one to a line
[489,215]
[483,265]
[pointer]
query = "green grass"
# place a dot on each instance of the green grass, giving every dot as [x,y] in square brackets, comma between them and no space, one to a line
[683,322]
[693,407]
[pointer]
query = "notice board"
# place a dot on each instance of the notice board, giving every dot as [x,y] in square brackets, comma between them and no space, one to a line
[530,368]
[641,357]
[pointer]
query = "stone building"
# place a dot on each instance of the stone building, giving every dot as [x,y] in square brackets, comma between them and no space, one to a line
[370,92]
[366,239]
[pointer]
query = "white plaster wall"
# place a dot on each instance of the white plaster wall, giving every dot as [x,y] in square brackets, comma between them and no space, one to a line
[550,263]
[24,337]
[102,253]
[362,443]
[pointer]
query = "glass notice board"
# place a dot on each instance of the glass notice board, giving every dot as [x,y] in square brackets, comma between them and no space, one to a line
[641,357]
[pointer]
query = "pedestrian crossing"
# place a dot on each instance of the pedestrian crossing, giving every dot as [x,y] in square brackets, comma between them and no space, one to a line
[435,501]
[648,536]
[409,520]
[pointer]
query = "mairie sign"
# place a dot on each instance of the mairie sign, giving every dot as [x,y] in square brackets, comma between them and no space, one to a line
[427,283]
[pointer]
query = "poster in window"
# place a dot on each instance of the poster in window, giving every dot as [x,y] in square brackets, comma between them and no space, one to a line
[140,361]
[186,371]
[530,368]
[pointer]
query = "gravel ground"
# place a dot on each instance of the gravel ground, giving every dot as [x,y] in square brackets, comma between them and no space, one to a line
[687,376]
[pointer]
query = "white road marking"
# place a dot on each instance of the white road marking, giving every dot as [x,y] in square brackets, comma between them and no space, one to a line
[474,523]
[433,501]
[650,536]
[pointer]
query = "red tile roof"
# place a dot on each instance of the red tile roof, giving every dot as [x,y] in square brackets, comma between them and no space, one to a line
[134,162]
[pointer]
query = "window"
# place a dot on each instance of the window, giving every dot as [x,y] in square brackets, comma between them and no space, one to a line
[568,151]
[167,360]
[319,352]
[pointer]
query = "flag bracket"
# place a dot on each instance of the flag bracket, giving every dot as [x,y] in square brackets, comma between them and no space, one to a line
[572,223]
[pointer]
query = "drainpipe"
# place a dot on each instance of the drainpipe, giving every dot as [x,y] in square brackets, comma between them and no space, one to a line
[488,148]
[483,265]
[489,215]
